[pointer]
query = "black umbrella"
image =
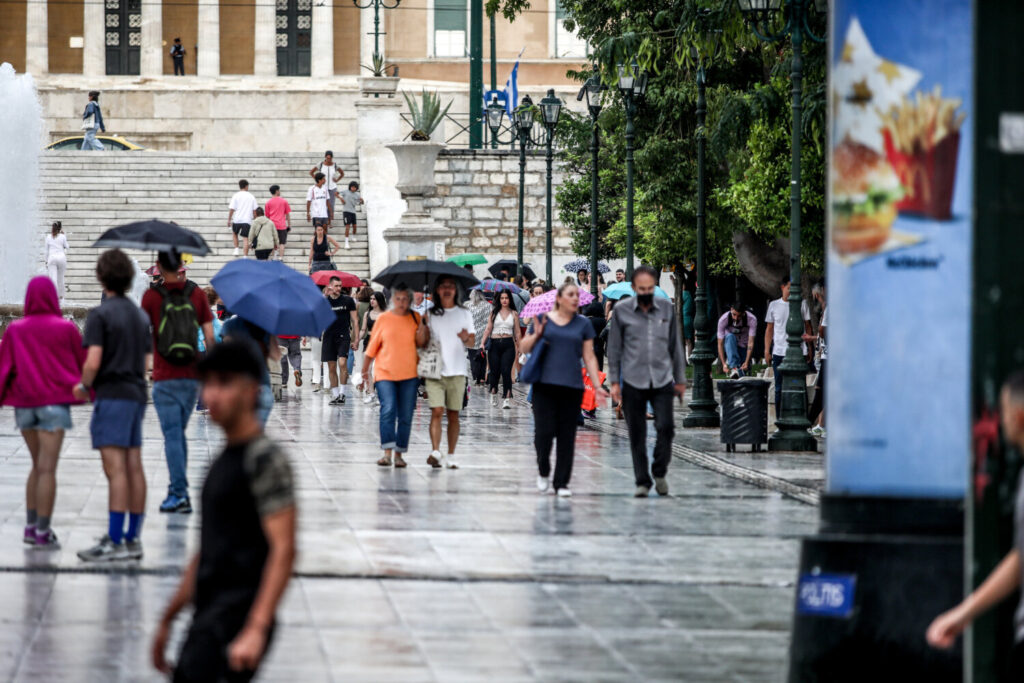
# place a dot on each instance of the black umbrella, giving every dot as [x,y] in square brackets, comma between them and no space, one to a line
[154,235]
[417,274]
[511,265]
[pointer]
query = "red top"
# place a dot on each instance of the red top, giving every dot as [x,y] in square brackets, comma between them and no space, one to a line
[152,302]
[276,209]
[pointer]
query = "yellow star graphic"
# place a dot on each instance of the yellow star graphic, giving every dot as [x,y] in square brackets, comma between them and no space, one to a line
[861,93]
[847,55]
[889,70]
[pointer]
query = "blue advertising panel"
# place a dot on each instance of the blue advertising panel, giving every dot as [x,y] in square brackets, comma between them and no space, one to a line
[826,595]
[899,247]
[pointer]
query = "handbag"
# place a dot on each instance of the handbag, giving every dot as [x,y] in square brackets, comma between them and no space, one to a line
[534,366]
[429,364]
[89,122]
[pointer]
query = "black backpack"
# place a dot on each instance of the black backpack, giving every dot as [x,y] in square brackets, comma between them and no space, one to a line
[177,339]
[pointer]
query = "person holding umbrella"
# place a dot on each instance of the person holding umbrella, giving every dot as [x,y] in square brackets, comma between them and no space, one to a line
[176,309]
[392,351]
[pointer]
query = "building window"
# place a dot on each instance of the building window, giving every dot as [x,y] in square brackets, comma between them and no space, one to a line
[122,36]
[294,39]
[567,44]
[450,28]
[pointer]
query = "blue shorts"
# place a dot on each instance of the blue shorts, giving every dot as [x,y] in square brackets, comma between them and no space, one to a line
[44,418]
[117,422]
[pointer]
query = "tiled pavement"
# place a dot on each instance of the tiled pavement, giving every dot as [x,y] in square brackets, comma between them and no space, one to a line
[423,575]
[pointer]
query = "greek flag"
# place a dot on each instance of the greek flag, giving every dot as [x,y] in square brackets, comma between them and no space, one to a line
[512,88]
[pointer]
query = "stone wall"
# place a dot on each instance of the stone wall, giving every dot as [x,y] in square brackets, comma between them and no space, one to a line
[478,198]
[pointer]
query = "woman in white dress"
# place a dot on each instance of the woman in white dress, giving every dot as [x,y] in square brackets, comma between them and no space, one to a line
[56,250]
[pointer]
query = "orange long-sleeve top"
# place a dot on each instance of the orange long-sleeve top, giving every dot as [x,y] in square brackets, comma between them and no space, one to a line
[392,346]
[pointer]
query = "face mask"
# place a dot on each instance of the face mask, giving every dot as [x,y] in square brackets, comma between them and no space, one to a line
[645,299]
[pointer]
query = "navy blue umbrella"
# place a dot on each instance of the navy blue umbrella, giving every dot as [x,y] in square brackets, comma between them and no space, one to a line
[275,297]
[154,235]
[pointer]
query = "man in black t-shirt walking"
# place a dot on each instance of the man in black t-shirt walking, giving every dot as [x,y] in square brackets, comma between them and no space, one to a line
[340,338]
[247,538]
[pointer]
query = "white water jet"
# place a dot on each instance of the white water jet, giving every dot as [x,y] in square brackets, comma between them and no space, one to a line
[20,239]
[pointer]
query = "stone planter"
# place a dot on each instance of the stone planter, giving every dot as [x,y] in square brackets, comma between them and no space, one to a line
[378,85]
[416,162]
[417,234]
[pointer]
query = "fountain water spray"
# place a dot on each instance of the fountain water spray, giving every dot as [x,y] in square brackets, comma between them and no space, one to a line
[20,125]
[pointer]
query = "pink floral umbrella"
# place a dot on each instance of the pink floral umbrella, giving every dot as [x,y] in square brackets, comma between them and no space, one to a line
[546,301]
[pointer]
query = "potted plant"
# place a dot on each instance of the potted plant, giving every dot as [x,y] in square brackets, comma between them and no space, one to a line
[416,157]
[379,83]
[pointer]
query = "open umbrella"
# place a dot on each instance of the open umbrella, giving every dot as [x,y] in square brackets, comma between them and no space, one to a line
[621,289]
[420,273]
[546,301]
[322,277]
[584,264]
[275,297]
[509,265]
[467,259]
[154,235]
[492,286]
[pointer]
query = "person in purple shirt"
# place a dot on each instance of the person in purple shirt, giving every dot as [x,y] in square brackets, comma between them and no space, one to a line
[736,330]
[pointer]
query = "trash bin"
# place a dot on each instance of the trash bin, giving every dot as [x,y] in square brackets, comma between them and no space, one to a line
[744,413]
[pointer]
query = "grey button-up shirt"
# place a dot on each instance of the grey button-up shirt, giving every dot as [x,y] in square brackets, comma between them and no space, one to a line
[644,349]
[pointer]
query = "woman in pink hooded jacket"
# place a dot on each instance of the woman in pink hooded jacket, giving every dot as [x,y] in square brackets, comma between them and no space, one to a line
[41,359]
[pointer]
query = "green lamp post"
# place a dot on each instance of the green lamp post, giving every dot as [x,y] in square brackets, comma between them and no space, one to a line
[632,87]
[523,119]
[592,90]
[550,109]
[792,423]
[377,5]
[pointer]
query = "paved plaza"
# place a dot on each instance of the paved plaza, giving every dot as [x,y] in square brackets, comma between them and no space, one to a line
[428,575]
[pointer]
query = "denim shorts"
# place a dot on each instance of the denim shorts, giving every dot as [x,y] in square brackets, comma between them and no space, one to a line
[117,422]
[44,418]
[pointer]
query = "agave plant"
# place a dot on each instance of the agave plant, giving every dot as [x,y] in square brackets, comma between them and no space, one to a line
[379,68]
[425,117]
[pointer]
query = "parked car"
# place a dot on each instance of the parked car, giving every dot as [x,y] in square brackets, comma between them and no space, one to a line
[110,142]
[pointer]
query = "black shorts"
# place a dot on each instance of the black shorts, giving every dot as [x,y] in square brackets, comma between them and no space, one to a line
[349,217]
[204,655]
[282,235]
[319,221]
[240,229]
[335,346]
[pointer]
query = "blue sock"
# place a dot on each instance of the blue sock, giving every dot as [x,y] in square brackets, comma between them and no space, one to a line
[115,529]
[134,526]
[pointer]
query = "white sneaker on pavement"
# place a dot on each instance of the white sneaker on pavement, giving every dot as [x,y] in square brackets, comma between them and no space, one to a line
[449,462]
[564,493]
[506,404]
[542,483]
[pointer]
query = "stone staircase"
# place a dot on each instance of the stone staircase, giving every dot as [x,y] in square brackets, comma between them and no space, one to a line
[90,192]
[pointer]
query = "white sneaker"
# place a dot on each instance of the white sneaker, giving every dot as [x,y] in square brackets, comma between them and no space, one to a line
[449,462]
[369,398]
[564,493]
[542,483]
[346,243]
[237,251]
[735,374]
[506,404]
[494,400]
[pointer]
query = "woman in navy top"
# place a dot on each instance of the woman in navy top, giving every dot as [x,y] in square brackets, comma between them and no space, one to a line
[557,396]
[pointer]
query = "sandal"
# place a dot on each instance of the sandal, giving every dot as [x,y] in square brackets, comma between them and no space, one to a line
[399,462]
[384,462]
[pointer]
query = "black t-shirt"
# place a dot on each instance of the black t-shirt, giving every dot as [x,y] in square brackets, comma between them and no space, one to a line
[343,307]
[246,483]
[122,329]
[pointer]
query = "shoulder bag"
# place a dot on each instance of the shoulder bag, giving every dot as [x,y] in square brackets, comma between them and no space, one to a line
[534,367]
[429,364]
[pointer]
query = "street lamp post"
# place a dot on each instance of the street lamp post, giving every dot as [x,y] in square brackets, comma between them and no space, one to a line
[377,5]
[632,86]
[592,91]
[792,424]
[703,407]
[523,116]
[550,108]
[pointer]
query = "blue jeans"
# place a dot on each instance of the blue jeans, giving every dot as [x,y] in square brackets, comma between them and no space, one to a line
[735,355]
[397,402]
[90,142]
[351,361]
[266,404]
[174,400]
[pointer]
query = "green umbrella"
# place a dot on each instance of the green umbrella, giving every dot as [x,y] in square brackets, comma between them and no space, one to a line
[467,259]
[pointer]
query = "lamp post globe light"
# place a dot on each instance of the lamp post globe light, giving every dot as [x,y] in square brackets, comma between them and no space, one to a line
[592,90]
[703,407]
[550,109]
[632,87]
[377,5]
[792,423]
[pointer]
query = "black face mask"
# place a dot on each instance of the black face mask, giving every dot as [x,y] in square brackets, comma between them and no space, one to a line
[645,299]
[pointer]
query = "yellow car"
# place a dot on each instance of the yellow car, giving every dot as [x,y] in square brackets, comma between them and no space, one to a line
[110,142]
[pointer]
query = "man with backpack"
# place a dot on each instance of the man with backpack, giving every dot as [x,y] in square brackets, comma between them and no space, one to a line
[177,310]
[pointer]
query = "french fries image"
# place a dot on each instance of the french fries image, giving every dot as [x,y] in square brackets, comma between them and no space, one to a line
[922,138]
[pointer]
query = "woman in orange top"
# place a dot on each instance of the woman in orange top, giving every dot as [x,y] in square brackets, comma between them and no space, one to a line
[392,348]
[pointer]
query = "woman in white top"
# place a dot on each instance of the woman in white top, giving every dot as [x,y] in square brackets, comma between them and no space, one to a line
[503,333]
[56,257]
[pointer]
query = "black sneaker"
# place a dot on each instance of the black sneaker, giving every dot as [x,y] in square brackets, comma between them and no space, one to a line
[341,400]
[336,401]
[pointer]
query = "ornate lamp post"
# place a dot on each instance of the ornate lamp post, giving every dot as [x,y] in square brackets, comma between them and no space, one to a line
[377,5]
[592,91]
[550,108]
[632,87]
[703,407]
[792,423]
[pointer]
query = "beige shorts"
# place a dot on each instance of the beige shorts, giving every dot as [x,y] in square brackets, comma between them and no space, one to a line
[446,392]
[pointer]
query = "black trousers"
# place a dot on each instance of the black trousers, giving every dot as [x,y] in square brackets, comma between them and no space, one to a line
[634,409]
[478,364]
[555,409]
[502,356]
[179,66]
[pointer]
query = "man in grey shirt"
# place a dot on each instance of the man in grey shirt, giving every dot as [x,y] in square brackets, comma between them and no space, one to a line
[646,363]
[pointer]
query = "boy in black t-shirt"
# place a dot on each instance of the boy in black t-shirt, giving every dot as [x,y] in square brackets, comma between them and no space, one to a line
[339,338]
[247,538]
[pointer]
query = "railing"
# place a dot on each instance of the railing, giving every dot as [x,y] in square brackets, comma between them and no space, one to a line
[459,122]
